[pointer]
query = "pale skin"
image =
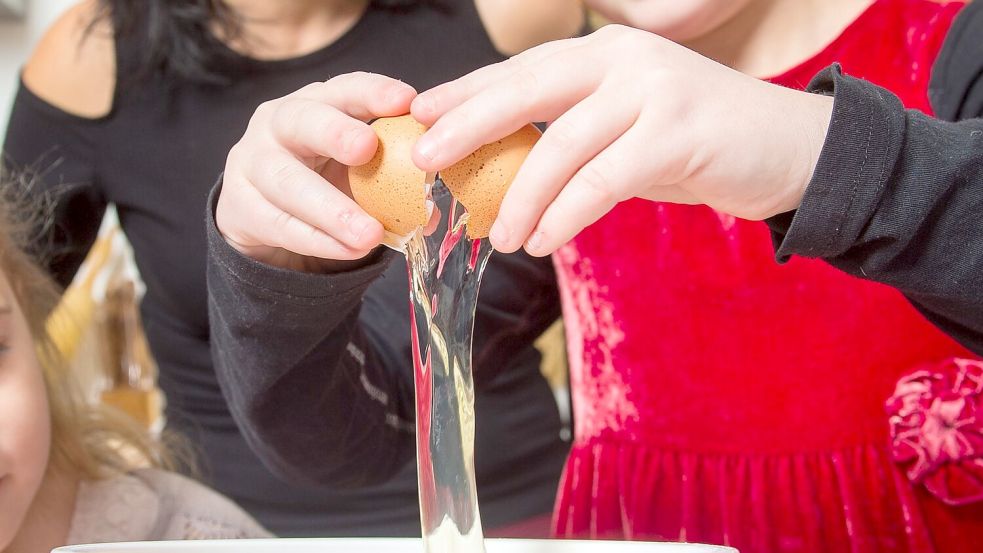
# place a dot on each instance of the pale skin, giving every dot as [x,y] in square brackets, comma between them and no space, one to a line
[37,500]
[77,72]
[757,37]
[692,130]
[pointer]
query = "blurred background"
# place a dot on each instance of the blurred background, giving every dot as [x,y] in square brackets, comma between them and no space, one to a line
[22,23]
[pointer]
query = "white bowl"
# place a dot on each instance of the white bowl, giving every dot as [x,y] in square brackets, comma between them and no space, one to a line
[386,545]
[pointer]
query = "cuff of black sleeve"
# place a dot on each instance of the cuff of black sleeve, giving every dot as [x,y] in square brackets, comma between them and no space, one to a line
[862,145]
[276,280]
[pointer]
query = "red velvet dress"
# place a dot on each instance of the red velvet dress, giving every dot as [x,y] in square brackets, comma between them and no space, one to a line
[720,397]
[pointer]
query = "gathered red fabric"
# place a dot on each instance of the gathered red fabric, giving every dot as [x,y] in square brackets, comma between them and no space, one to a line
[720,397]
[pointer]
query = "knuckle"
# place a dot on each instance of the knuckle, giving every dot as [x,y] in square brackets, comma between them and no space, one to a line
[281,228]
[266,109]
[616,34]
[347,78]
[623,38]
[224,219]
[610,31]
[230,187]
[230,227]
[334,132]
[286,115]
[527,84]
[283,176]
[233,159]
[561,136]
[510,65]
[593,178]
[308,89]
[336,79]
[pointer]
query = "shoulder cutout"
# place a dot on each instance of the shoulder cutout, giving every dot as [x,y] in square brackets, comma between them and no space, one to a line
[516,25]
[73,66]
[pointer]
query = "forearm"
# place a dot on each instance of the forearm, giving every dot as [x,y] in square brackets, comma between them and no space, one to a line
[896,197]
[309,391]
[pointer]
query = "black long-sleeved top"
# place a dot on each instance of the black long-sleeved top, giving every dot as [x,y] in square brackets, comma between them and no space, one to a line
[156,156]
[319,366]
[897,196]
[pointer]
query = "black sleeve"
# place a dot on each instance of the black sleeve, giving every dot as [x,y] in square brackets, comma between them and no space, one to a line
[317,368]
[897,197]
[956,89]
[56,151]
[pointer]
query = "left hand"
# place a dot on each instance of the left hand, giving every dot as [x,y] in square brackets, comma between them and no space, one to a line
[632,115]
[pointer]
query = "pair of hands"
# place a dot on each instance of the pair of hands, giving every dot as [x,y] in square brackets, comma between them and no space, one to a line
[631,115]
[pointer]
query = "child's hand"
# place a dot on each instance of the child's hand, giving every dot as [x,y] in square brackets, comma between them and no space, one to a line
[632,115]
[284,199]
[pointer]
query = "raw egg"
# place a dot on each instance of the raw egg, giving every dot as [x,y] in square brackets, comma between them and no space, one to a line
[481,180]
[394,191]
[390,187]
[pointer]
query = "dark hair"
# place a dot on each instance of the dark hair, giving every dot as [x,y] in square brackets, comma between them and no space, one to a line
[177,37]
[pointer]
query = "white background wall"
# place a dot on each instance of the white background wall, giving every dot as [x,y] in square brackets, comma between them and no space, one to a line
[17,39]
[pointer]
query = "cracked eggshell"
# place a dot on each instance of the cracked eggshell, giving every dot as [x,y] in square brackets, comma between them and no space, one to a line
[480,180]
[390,187]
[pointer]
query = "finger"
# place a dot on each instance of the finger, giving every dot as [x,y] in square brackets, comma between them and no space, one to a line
[299,191]
[567,145]
[432,104]
[537,92]
[362,95]
[614,175]
[309,129]
[290,233]
[269,226]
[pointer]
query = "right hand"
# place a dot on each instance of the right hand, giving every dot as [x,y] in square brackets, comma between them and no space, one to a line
[632,115]
[285,199]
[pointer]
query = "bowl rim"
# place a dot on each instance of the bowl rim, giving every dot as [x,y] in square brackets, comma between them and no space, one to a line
[179,545]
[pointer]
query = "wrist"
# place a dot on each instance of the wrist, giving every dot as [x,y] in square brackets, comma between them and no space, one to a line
[286,259]
[814,114]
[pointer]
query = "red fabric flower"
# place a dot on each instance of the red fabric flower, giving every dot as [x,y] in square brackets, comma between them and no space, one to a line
[936,421]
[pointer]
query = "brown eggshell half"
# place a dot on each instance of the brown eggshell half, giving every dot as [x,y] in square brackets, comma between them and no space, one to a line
[480,180]
[390,187]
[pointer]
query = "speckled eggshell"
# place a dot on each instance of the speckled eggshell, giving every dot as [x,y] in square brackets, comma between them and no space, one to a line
[390,187]
[480,180]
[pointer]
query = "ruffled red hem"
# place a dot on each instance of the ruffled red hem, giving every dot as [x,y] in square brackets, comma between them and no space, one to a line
[855,500]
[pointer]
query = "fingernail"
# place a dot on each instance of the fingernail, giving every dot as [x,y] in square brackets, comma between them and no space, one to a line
[358,225]
[427,148]
[535,242]
[499,234]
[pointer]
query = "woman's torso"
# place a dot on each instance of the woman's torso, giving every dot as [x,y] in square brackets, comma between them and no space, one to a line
[720,396]
[158,154]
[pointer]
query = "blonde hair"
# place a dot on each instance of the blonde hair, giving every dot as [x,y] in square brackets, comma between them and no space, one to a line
[91,440]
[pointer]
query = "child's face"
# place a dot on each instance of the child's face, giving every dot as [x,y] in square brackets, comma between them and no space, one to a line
[678,20]
[25,422]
